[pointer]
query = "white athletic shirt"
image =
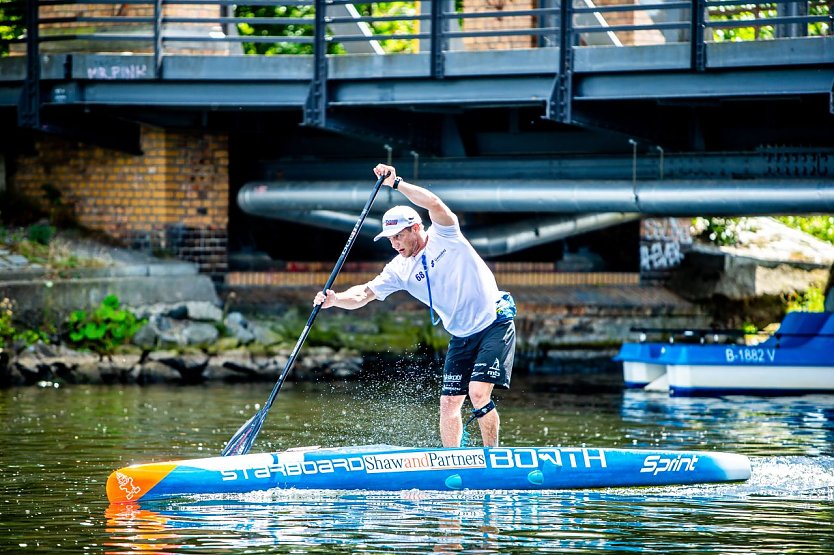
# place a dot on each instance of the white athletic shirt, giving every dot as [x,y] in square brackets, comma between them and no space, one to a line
[463,289]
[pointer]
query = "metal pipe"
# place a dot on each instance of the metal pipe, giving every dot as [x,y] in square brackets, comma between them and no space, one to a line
[709,197]
[506,239]
[491,241]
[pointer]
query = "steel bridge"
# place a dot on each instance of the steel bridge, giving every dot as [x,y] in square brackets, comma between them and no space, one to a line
[603,110]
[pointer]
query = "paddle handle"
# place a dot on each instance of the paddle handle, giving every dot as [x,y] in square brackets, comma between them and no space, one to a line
[336,269]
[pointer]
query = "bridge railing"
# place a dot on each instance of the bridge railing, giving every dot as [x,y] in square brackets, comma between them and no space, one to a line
[265,27]
[164,28]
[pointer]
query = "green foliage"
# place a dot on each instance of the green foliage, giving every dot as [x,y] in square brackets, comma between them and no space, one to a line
[7,330]
[758,14]
[812,300]
[41,234]
[104,329]
[39,245]
[749,328]
[719,231]
[406,25]
[9,334]
[725,231]
[277,28]
[821,227]
[385,330]
[12,27]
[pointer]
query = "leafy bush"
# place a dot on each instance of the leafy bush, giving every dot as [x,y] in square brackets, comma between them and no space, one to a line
[272,26]
[812,300]
[758,15]
[821,227]
[41,234]
[719,231]
[12,26]
[104,329]
[7,330]
[12,336]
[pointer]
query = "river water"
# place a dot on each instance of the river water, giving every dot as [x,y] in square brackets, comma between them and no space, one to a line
[58,445]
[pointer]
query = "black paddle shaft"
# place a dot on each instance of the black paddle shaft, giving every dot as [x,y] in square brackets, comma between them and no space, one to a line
[336,269]
[243,439]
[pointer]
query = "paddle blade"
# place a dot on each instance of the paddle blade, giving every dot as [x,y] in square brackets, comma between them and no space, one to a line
[243,439]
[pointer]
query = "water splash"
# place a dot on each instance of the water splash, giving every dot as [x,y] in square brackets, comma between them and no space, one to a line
[789,477]
[792,476]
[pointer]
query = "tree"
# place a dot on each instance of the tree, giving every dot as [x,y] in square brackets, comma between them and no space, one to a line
[273,26]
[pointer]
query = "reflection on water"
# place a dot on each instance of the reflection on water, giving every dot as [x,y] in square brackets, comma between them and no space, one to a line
[722,518]
[57,447]
[754,425]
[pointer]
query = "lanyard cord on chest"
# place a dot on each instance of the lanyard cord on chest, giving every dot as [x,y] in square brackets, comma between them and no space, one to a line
[432,313]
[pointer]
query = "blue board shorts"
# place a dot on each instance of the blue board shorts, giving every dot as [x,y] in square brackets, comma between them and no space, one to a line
[486,356]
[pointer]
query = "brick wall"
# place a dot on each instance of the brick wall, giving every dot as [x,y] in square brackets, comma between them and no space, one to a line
[174,197]
[119,10]
[128,10]
[498,24]
[619,18]
[530,22]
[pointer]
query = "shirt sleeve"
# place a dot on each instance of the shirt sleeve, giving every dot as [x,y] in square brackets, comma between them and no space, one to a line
[448,231]
[386,282]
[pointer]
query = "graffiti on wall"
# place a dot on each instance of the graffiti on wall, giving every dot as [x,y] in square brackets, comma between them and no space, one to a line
[119,72]
[663,244]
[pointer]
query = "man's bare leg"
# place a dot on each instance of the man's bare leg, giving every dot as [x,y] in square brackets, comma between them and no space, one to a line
[451,426]
[480,394]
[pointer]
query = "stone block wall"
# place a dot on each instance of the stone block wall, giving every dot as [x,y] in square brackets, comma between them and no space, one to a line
[173,198]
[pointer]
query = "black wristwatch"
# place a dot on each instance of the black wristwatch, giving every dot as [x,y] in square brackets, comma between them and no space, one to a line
[396,182]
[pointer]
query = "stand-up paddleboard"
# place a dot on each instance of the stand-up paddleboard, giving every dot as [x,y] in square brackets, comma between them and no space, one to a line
[386,467]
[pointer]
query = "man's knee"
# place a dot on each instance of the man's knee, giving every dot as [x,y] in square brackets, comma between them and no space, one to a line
[451,404]
[480,393]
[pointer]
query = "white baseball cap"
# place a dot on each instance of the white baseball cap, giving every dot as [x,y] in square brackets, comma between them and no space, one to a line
[396,219]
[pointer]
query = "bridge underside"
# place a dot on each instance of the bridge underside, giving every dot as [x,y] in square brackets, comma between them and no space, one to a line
[753,133]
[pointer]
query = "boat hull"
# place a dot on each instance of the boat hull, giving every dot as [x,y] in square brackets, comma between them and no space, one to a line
[399,468]
[641,363]
[687,380]
[797,359]
[638,375]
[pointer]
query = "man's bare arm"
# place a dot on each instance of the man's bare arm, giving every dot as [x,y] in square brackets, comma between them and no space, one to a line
[438,211]
[350,299]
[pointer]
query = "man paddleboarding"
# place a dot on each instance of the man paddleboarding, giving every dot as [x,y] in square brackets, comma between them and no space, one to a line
[440,268]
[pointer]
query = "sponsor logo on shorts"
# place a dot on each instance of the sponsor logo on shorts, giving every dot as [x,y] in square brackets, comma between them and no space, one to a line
[452,378]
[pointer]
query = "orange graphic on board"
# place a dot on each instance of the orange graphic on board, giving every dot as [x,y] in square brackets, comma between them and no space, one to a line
[129,484]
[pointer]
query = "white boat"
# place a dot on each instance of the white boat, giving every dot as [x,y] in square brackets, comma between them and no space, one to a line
[640,361]
[797,359]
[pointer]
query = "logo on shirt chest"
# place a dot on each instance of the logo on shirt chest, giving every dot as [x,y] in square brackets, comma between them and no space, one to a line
[421,274]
